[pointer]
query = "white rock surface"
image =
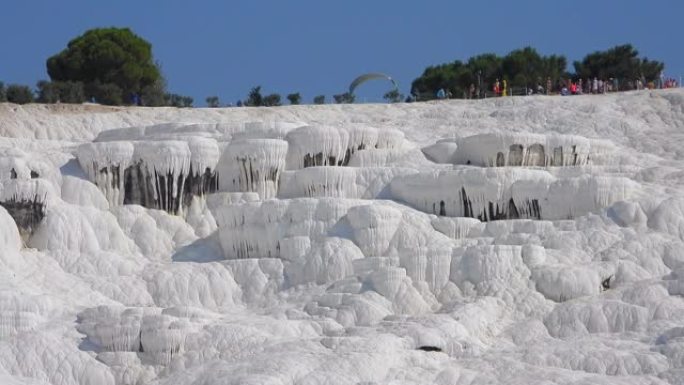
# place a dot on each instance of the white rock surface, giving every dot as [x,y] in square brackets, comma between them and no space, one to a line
[370,244]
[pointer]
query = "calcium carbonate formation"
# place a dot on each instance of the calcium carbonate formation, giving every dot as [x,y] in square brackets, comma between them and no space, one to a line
[253,165]
[157,172]
[167,174]
[528,150]
[26,201]
[334,146]
[160,174]
[509,193]
[105,163]
[405,243]
[340,182]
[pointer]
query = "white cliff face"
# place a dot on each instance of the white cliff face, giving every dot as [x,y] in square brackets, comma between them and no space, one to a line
[161,174]
[340,182]
[157,175]
[409,243]
[105,164]
[510,193]
[252,165]
[316,146]
[312,146]
[529,150]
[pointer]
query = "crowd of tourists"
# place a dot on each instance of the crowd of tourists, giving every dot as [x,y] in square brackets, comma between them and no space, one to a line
[564,87]
[599,86]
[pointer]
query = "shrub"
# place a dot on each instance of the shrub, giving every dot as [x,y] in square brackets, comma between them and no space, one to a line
[213,102]
[294,98]
[272,100]
[154,95]
[64,92]
[19,94]
[344,98]
[3,93]
[320,99]
[393,96]
[254,99]
[109,94]
[175,100]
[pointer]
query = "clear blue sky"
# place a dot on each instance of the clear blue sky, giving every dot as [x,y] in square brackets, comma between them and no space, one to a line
[318,46]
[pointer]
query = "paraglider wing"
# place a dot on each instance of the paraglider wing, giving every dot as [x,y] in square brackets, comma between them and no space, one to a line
[370,76]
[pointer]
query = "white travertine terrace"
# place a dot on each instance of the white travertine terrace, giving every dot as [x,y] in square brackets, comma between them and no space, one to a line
[359,244]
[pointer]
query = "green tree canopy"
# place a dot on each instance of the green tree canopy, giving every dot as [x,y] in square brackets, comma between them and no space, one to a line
[345,98]
[64,92]
[254,99]
[213,102]
[393,96]
[176,100]
[294,98]
[272,100]
[108,61]
[19,94]
[521,68]
[319,99]
[525,68]
[620,62]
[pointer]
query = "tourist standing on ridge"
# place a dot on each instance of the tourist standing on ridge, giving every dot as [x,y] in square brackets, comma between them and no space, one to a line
[548,86]
[661,79]
[414,95]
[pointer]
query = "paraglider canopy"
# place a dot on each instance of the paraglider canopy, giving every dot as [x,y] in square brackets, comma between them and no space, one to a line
[370,76]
